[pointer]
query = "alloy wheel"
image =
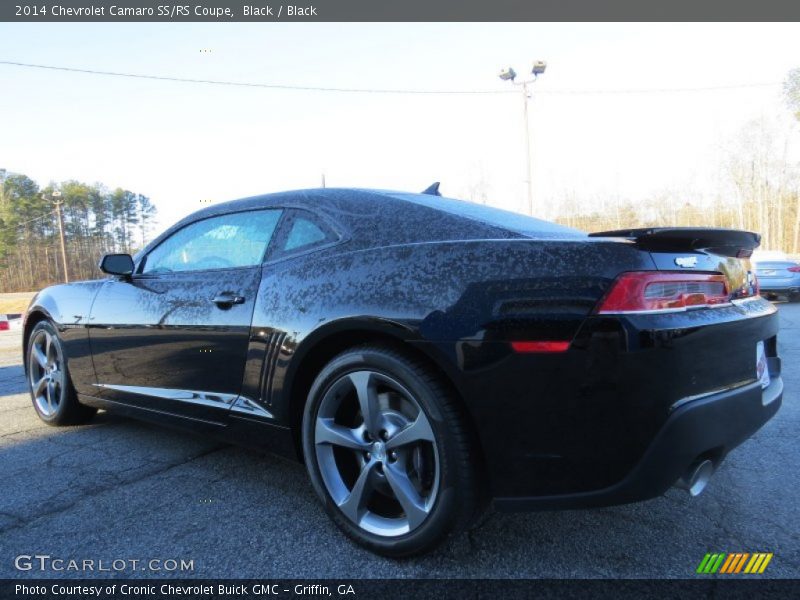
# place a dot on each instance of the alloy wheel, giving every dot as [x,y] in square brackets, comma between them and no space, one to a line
[377,453]
[46,373]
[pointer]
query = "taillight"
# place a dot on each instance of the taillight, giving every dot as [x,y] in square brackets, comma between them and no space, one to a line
[540,346]
[4,325]
[654,291]
[794,269]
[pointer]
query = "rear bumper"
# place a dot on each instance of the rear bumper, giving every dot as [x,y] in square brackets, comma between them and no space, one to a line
[707,427]
[570,428]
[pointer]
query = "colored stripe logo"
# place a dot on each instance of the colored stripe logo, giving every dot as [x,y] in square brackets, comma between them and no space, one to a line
[735,562]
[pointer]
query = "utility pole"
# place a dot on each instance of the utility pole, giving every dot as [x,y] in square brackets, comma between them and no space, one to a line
[58,204]
[509,74]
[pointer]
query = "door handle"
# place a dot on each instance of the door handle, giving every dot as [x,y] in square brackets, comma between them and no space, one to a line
[227,299]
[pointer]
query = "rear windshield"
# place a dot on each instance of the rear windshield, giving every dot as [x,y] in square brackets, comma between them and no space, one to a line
[496,217]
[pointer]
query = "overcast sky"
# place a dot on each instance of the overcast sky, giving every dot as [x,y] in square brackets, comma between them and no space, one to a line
[181,143]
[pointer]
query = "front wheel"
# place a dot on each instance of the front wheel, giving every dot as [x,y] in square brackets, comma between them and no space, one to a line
[388,453]
[51,389]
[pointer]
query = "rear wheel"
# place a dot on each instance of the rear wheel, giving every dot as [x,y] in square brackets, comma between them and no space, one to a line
[51,389]
[388,453]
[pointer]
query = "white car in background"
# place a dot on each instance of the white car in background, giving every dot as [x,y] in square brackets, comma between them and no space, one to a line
[778,275]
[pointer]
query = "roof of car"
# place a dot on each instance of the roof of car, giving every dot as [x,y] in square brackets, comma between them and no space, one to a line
[381,217]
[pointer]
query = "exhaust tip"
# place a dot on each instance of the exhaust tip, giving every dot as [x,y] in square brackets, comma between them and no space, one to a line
[696,478]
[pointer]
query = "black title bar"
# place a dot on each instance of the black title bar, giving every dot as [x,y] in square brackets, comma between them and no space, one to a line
[398,10]
[441,589]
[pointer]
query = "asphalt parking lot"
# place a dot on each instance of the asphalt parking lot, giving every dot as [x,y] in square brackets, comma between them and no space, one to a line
[118,489]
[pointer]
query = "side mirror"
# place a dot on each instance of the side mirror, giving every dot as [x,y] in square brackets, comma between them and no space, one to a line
[117,264]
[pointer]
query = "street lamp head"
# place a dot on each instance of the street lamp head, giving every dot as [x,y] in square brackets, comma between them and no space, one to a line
[538,67]
[56,194]
[508,74]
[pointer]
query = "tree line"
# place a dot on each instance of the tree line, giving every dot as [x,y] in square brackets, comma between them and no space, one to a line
[758,190]
[96,220]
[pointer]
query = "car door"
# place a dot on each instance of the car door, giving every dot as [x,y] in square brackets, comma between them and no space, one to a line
[301,232]
[173,338]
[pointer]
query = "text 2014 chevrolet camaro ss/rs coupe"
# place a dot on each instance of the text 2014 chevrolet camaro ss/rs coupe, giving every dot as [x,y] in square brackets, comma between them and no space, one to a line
[424,356]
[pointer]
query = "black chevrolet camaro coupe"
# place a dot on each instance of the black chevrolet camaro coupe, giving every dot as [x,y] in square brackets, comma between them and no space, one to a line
[424,356]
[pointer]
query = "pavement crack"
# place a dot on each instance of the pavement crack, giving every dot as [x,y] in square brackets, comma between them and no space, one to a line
[20,431]
[24,522]
[12,516]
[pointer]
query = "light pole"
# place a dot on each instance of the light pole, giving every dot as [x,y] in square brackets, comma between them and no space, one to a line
[510,74]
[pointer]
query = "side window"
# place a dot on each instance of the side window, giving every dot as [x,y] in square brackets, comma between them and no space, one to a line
[235,240]
[303,232]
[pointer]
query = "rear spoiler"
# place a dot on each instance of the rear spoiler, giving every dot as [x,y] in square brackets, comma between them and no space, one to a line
[725,242]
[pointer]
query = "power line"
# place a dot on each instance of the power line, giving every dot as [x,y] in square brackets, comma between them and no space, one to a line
[273,86]
[15,225]
[302,88]
[713,88]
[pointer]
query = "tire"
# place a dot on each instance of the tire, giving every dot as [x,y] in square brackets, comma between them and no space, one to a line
[414,434]
[51,389]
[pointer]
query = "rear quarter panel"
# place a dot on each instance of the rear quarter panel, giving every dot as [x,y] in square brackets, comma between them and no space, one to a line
[457,301]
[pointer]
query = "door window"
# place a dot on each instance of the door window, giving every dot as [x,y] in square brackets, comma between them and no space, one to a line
[227,241]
